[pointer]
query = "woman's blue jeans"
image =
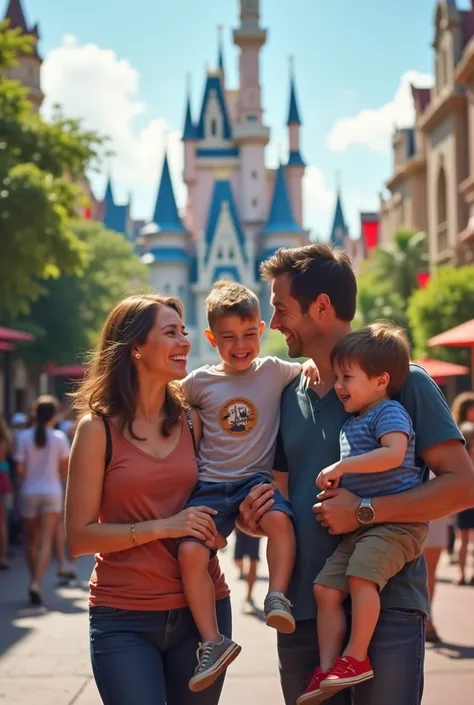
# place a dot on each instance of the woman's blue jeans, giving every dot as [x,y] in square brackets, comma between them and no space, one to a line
[147,658]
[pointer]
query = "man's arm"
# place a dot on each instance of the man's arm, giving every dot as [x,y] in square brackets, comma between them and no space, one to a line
[451,491]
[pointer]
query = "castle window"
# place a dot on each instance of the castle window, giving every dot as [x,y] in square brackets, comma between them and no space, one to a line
[167,289]
[220,253]
[254,174]
[231,254]
[254,202]
[213,127]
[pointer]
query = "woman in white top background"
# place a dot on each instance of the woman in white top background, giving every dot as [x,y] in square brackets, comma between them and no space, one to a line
[42,456]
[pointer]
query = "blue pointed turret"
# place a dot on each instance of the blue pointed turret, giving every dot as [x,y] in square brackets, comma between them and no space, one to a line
[115,217]
[220,53]
[281,218]
[189,132]
[166,215]
[293,112]
[339,228]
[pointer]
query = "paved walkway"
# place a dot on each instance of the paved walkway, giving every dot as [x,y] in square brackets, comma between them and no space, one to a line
[44,659]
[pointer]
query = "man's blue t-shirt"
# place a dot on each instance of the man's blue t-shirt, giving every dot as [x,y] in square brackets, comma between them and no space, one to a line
[309,441]
[362,434]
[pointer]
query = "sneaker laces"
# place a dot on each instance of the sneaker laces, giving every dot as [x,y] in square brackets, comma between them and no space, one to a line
[340,666]
[203,655]
[274,600]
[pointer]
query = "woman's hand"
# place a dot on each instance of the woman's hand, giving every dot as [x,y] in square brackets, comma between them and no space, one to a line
[192,521]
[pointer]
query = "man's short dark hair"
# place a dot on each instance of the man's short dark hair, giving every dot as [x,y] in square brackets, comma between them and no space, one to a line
[378,348]
[314,270]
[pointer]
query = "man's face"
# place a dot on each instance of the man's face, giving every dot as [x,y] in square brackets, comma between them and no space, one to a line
[299,328]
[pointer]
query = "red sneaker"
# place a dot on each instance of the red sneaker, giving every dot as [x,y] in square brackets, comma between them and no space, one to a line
[313,694]
[347,671]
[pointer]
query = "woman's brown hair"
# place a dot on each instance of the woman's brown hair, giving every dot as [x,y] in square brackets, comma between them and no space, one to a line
[110,385]
[460,406]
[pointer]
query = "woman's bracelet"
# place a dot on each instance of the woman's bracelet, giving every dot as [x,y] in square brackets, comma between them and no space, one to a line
[133,535]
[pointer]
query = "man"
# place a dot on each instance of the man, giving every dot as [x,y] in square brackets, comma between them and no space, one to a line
[313,293]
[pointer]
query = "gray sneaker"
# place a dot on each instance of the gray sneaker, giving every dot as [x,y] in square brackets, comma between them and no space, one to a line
[278,613]
[213,660]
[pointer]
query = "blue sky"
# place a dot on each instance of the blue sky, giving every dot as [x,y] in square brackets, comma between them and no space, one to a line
[130,60]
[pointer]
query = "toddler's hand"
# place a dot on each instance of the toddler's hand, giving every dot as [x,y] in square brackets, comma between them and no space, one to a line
[310,371]
[329,478]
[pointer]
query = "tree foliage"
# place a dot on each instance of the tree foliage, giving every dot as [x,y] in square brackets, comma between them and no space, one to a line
[41,167]
[375,302]
[66,318]
[447,301]
[396,266]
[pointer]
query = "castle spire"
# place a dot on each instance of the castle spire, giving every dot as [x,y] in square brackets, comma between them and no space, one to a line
[281,218]
[220,50]
[16,16]
[166,215]
[189,132]
[293,112]
[339,228]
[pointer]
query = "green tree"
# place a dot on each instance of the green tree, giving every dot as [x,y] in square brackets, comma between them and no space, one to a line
[376,301]
[396,266]
[446,301]
[41,167]
[66,318]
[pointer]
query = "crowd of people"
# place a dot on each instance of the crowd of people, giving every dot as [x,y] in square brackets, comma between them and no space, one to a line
[34,454]
[165,465]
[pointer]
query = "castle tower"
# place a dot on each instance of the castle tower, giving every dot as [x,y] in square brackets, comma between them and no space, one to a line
[28,69]
[296,164]
[164,241]
[250,134]
[339,231]
[113,215]
[189,176]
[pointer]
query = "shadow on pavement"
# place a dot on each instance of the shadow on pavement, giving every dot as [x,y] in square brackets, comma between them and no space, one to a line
[453,651]
[16,614]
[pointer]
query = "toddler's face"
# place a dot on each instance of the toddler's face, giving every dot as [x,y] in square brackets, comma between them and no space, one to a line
[357,391]
[237,340]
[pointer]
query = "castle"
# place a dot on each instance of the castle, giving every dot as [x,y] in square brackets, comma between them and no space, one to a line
[432,184]
[238,211]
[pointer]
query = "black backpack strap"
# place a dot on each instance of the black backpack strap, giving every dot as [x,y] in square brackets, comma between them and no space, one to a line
[191,426]
[108,442]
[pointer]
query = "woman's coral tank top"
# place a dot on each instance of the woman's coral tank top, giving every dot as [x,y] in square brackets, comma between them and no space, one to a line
[138,487]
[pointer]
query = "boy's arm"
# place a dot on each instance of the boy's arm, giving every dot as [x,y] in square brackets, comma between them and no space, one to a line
[389,456]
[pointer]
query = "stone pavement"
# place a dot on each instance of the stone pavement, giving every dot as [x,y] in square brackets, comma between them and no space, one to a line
[44,659]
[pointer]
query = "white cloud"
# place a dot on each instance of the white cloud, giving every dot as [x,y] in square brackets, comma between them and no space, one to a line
[94,84]
[319,201]
[374,128]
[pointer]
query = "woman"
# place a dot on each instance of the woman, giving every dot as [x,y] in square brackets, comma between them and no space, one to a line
[132,470]
[6,489]
[463,411]
[41,456]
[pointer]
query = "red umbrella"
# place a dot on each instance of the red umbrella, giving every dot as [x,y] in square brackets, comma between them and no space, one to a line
[11,335]
[6,347]
[439,370]
[461,336]
[71,371]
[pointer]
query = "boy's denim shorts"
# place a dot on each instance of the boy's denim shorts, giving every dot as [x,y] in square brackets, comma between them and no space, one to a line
[226,498]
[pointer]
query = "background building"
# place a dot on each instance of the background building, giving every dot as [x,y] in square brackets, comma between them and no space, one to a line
[432,185]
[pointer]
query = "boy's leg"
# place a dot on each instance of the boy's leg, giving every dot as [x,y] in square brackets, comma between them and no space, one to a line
[198,587]
[251,578]
[332,624]
[365,601]
[281,548]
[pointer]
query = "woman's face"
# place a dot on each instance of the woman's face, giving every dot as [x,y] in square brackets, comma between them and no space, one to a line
[166,349]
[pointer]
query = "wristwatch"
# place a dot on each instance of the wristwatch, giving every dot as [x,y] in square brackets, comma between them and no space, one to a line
[365,512]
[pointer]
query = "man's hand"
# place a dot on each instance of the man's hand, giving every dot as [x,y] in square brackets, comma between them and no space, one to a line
[258,501]
[336,510]
[330,476]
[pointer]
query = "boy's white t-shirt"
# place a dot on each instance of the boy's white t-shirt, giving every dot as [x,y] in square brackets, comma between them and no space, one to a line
[240,414]
[42,465]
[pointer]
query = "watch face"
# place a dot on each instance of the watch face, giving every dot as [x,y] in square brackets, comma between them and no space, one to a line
[365,515]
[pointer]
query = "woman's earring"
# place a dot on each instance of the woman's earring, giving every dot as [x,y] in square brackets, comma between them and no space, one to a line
[137,356]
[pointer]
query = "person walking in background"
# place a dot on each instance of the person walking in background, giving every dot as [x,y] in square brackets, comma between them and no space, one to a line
[41,455]
[6,489]
[463,412]
[133,467]
[466,518]
[247,547]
